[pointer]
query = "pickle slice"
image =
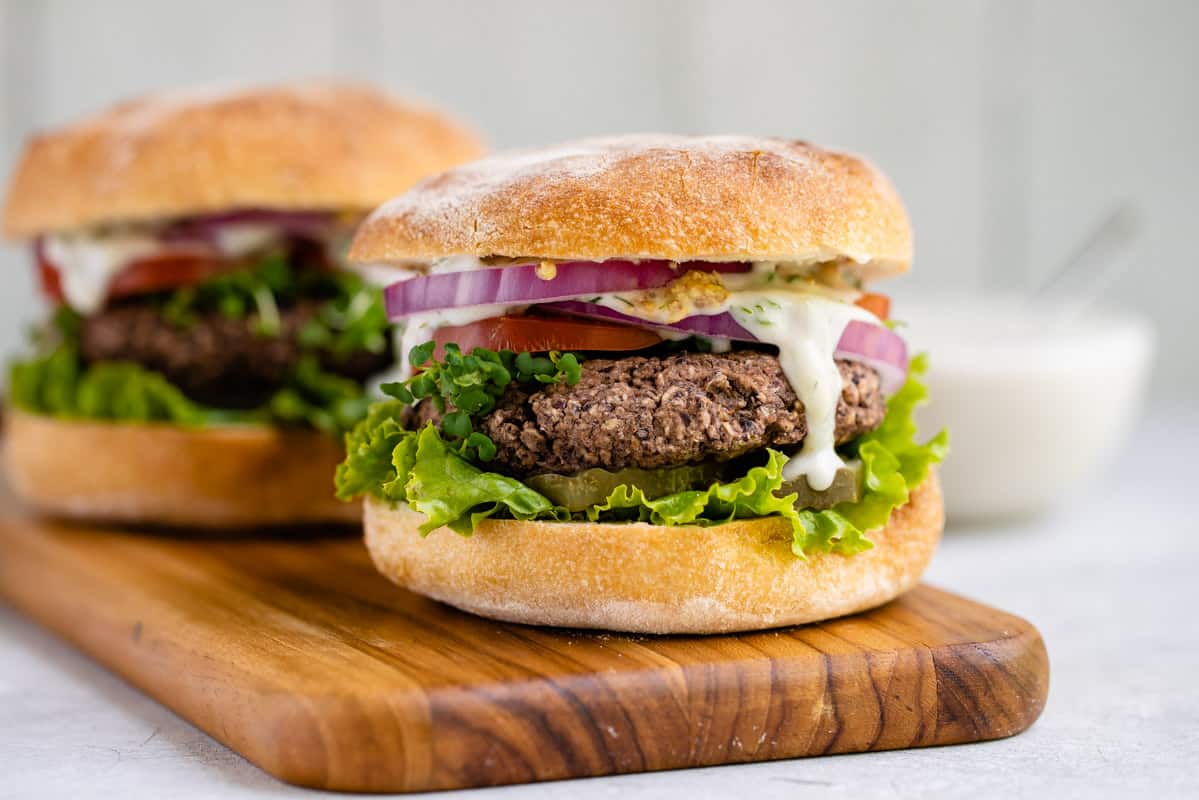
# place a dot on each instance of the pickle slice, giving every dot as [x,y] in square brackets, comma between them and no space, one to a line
[592,486]
[845,488]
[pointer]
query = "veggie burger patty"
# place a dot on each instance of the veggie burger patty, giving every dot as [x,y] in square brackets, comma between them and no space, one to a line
[664,411]
[217,358]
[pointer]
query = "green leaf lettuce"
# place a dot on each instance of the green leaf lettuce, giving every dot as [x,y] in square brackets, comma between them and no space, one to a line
[420,469]
[349,318]
[60,385]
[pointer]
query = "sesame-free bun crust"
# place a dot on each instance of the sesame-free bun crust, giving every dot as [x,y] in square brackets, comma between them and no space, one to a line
[652,579]
[314,145]
[678,198]
[158,474]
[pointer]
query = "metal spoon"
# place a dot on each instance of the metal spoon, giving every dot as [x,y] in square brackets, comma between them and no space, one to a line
[1092,266]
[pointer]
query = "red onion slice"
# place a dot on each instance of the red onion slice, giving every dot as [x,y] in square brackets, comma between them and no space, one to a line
[305,224]
[710,325]
[876,346]
[879,348]
[521,285]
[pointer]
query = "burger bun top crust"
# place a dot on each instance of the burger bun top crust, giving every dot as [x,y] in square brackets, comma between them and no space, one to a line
[299,146]
[678,198]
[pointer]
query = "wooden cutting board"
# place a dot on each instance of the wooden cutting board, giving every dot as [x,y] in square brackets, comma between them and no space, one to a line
[297,655]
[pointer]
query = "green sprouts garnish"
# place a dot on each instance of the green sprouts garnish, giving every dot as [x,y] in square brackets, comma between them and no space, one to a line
[472,384]
[349,318]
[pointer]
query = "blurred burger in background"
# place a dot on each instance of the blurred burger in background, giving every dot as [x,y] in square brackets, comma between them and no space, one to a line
[206,344]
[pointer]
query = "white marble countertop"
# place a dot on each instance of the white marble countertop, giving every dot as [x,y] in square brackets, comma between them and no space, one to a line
[1111,580]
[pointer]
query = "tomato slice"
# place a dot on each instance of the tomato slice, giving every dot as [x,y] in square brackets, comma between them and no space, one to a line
[168,269]
[48,280]
[877,304]
[540,333]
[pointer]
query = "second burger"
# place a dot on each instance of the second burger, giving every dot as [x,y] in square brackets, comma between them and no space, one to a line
[207,344]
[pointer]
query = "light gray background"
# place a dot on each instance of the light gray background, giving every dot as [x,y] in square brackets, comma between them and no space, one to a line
[1011,126]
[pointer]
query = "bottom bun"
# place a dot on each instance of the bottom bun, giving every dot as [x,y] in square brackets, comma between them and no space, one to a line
[651,578]
[158,474]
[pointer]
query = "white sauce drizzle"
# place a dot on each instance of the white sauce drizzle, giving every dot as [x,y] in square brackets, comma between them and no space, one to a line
[384,274]
[242,238]
[459,263]
[394,372]
[87,263]
[720,344]
[381,275]
[784,275]
[805,328]
[419,328]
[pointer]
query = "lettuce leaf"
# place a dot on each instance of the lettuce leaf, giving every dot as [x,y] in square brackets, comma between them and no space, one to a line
[370,448]
[349,318]
[893,463]
[750,496]
[60,385]
[419,468]
[451,491]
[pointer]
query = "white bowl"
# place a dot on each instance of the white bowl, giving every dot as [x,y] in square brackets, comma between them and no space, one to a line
[1036,400]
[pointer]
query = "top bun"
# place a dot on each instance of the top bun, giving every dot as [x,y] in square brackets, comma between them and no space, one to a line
[314,145]
[679,198]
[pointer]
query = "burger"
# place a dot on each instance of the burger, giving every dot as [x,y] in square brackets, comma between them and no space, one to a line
[645,389]
[207,345]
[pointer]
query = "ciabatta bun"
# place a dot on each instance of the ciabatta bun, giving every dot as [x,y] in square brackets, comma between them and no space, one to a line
[157,474]
[679,198]
[652,579]
[316,145]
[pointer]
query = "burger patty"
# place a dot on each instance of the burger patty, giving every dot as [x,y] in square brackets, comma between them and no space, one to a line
[214,359]
[665,411]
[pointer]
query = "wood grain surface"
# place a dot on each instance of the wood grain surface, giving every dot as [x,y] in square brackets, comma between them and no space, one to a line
[297,655]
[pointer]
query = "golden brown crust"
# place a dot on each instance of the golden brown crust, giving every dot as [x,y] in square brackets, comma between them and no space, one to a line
[651,197]
[157,474]
[652,579]
[297,146]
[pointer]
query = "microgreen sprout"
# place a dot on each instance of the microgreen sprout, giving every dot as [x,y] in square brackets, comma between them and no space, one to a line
[463,387]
